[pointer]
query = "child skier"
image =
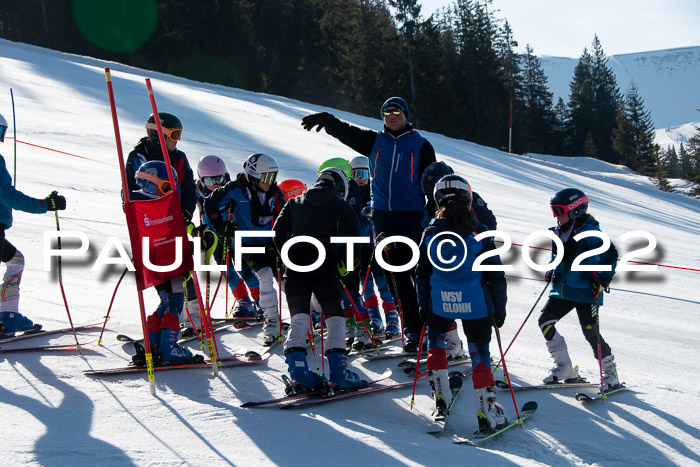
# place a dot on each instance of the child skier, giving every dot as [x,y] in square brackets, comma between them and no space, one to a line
[252,202]
[317,214]
[11,321]
[580,290]
[164,324]
[447,292]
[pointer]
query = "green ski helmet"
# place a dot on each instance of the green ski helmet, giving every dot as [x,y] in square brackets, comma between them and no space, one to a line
[338,162]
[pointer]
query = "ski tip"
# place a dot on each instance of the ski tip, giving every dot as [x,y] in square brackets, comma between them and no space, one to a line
[529,406]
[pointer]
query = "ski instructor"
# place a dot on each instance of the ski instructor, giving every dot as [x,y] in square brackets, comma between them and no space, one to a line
[397,157]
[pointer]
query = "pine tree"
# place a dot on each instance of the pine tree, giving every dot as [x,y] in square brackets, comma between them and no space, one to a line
[580,112]
[672,161]
[606,103]
[633,136]
[693,175]
[659,173]
[685,162]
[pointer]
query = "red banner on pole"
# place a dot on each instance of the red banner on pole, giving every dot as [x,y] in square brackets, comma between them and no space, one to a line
[160,221]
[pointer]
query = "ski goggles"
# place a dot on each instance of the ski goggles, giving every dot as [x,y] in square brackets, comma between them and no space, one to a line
[559,210]
[163,186]
[394,111]
[3,130]
[268,178]
[174,134]
[360,173]
[213,181]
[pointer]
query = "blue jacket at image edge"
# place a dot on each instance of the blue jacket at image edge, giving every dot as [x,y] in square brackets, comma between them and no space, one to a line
[11,198]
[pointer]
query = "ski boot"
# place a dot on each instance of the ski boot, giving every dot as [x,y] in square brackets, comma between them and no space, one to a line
[392,322]
[340,377]
[12,322]
[244,309]
[440,384]
[490,414]
[350,331]
[453,346]
[362,340]
[303,379]
[173,353]
[610,379]
[271,330]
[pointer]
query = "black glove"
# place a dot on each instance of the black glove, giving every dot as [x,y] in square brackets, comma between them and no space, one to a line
[55,202]
[423,313]
[548,275]
[499,318]
[320,120]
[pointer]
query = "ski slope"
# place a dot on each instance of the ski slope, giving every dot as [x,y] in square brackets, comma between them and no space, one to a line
[52,414]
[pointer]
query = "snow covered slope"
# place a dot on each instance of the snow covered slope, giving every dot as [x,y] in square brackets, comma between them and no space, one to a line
[54,415]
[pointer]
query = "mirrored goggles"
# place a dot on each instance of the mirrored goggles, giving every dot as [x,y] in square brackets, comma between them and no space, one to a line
[395,111]
[174,134]
[360,173]
[217,180]
[268,178]
[559,210]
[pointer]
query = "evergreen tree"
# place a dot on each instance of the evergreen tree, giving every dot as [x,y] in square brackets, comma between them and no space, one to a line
[606,103]
[659,173]
[407,16]
[672,161]
[685,163]
[693,174]
[580,121]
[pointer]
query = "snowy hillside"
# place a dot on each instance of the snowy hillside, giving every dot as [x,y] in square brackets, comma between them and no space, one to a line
[52,414]
[667,80]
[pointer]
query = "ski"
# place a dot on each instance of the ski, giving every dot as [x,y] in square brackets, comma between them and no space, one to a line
[374,352]
[583,397]
[224,362]
[30,334]
[409,366]
[438,423]
[45,347]
[304,395]
[368,389]
[500,384]
[527,410]
[125,338]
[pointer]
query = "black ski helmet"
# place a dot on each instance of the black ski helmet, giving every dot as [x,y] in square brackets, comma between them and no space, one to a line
[432,173]
[338,178]
[571,200]
[452,188]
[172,127]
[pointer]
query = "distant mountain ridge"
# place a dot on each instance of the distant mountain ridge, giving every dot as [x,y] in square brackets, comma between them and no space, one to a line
[667,80]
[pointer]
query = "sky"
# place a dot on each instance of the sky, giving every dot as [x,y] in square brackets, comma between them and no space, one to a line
[54,415]
[562,28]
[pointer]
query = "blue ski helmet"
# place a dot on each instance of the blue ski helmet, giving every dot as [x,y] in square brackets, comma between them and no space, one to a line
[434,172]
[152,177]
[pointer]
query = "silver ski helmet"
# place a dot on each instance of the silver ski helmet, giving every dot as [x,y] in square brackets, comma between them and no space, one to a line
[452,188]
[337,178]
[360,167]
[211,171]
[152,177]
[3,128]
[172,127]
[571,200]
[260,168]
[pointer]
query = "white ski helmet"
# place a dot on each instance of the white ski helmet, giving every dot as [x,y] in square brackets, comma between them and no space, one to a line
[360,167]
[338,178]
[3,128]
[260,167]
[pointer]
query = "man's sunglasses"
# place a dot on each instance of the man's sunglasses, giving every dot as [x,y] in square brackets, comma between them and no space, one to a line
[395,111]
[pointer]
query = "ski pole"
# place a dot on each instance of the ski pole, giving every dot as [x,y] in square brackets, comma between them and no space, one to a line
[60,283]
[505,372]
[358,315]
[596,310]
[415,377]
[399,307]
[522,325]
[114,294]
[14,129]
